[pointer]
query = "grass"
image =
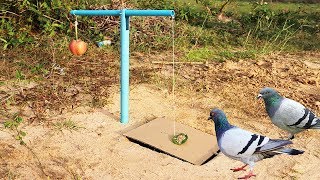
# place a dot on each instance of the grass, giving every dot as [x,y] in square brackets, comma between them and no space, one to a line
[68,125]
[283,30]
[199,36]
[243,7]
[257,29]
[205,54]
[236,55]
[199,54]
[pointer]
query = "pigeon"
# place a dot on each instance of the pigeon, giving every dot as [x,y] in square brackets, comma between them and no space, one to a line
[245,146]
[288,114]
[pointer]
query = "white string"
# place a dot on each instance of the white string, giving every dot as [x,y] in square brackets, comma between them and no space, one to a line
[173,80]
[76,27]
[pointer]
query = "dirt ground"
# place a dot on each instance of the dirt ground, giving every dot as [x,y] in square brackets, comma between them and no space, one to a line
[94,147]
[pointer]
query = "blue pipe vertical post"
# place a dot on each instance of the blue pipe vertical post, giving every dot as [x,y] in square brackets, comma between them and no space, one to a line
[124,79]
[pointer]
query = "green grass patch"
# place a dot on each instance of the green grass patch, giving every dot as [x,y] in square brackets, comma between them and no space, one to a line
[236,55]
[68,125]
[199,55]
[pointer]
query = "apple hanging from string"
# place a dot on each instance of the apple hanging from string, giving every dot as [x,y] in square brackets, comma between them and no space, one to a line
[78,47]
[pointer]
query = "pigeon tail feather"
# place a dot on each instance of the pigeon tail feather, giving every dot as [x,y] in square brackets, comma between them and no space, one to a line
[290,151]
[317,125]
[273,144]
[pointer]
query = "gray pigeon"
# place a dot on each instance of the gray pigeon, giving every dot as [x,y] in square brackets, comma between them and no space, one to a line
[288,114]
[245,146]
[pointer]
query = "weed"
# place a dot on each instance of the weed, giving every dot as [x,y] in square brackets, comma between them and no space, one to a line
[39,69]
[20,75]
[67,124]
[13,124]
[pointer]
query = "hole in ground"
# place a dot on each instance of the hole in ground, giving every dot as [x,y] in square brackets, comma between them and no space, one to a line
[160,151]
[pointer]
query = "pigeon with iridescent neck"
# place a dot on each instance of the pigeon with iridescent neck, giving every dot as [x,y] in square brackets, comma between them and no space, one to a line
[245,146]
[288,114]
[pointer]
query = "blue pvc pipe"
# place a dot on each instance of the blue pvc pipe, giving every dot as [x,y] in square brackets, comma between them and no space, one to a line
[124,79]
[95,12]
[129,12]
[124,46]
[133,12]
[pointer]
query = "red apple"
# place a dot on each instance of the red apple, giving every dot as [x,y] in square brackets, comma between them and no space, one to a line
[78,47]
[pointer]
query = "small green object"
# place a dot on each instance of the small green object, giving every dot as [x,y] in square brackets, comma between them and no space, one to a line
[22,133]
[180,138]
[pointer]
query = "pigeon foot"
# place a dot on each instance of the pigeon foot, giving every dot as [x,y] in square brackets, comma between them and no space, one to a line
[242,168]
[247,176]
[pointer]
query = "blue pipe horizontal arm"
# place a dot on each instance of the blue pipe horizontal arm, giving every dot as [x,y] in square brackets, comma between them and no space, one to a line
[95,12]
[133,12]
[129,12]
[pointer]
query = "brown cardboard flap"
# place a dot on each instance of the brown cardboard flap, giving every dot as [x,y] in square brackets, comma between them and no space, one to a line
[158,133]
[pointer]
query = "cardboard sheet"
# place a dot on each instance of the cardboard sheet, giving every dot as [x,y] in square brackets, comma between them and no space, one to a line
[158,133]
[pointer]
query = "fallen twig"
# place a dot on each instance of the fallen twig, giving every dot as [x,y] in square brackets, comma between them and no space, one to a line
[166,62]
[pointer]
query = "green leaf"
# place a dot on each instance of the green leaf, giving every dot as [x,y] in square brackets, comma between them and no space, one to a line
[56,25]
[18,137]
[19,75]
[8,124]
[22,133]
[5,41]
[19,119]
[45,5]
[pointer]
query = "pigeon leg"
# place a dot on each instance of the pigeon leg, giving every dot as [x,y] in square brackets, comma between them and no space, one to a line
[291,136]
[242,168]
[248,175]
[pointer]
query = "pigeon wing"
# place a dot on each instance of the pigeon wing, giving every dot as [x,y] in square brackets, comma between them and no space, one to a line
[272,144]
[294,114]
[240,143]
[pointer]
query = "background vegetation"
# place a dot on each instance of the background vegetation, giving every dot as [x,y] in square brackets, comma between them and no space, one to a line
[254,27]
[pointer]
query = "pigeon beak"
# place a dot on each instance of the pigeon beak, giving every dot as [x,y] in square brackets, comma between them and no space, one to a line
[211,116]
[259,96]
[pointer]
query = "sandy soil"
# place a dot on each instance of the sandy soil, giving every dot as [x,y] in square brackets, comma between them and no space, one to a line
[96,149]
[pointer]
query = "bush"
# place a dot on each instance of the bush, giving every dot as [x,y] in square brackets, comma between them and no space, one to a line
[23,20]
